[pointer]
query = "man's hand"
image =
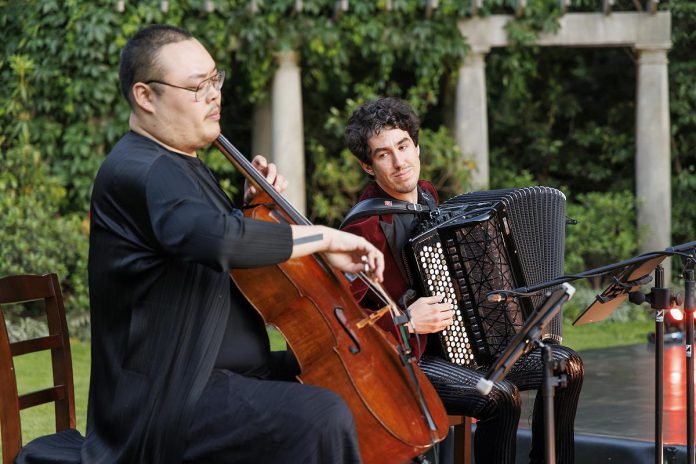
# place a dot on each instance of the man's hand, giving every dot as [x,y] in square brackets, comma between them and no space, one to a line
[345,251]
[270,171]
[352,253]
[429,315]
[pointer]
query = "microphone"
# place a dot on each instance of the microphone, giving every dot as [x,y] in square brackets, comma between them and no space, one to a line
[553,301]
[497,297]
[569,290]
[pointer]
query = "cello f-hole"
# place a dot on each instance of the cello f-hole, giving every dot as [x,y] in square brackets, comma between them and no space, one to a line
[341,317]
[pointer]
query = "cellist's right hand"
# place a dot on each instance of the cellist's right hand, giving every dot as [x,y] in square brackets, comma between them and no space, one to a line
[345,251]
[351,253]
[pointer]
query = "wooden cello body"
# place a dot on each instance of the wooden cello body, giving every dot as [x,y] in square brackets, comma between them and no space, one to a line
[398,414]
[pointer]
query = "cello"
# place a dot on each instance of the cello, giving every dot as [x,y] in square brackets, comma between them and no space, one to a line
[398,415]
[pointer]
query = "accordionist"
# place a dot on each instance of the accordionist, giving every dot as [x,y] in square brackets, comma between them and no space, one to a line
[383,135]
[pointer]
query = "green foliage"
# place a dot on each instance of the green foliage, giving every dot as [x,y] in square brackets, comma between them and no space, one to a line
[506,174]
[560,117]
[585,295]
[605,231]
[74,99]
[443,164]
[36,236]
[367,53]
[683,221]
[683,107]
[577,111]
[338,182]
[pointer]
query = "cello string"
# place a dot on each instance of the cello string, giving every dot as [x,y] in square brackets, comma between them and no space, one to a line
[379,291]
[394,309]
[244,166]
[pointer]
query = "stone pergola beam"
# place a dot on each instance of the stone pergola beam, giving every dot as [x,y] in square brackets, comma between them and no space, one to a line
[578,30]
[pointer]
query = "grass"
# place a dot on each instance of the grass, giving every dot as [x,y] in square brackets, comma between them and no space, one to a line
[33,370]
[606,334]
[34,373]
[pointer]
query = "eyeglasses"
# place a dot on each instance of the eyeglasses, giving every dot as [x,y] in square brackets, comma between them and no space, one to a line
[203,89]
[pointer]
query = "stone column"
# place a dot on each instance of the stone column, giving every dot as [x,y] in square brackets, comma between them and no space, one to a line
[262,134]
[653,188]
[286,118]
[471,115]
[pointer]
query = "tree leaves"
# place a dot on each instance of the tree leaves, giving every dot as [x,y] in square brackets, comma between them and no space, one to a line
[558,117]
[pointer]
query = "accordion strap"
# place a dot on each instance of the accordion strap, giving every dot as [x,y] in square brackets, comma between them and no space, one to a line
[378,206]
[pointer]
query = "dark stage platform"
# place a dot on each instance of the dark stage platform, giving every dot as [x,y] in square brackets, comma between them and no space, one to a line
[616,415]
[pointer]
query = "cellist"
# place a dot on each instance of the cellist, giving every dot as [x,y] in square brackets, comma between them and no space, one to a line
[181,366]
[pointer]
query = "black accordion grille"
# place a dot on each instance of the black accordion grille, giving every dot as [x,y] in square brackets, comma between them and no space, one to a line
[492,240]
[487,269]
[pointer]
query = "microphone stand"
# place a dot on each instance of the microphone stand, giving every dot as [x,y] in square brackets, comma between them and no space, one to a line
[632,274]
[553,375]
[689,327]
[660,299]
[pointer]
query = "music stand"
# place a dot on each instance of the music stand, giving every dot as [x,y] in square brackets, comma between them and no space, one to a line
[631,275]
[530,334]
[660,298]
[627,283]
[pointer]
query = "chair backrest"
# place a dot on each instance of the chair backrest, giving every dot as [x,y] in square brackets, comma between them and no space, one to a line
[24,288]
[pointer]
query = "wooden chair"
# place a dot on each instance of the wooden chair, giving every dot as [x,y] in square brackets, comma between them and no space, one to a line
[462,439]
[63,446]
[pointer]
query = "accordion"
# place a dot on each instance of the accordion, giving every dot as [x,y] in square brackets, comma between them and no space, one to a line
[484,241]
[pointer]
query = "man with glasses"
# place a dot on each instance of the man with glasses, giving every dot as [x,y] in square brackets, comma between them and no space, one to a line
[181,365]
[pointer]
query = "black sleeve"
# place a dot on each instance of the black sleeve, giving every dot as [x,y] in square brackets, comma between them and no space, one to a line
[187,225]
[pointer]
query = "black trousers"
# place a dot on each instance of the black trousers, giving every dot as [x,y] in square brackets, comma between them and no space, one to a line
[246,420]
[498,413]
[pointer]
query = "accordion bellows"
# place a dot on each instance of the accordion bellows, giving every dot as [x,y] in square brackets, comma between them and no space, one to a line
[484,241]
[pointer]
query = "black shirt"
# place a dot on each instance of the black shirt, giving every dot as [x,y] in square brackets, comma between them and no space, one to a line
[163,238]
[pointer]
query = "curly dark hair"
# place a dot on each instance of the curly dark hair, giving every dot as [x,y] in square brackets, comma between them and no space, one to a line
[139,56]
[373,116]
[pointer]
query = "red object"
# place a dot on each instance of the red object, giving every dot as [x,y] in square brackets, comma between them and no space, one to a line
[394,283]
[677,314]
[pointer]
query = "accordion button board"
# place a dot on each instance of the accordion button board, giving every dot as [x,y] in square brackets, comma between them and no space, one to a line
[480,242]
[438,281]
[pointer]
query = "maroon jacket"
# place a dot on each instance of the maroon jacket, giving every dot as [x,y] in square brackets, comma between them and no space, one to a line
[394,282]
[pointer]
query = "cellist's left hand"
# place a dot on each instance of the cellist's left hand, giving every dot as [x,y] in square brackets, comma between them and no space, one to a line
[270,172]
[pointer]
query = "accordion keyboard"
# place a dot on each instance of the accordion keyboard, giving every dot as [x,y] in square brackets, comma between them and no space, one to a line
[432,264]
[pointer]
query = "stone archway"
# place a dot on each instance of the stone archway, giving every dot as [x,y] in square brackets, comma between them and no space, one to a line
[649,35]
